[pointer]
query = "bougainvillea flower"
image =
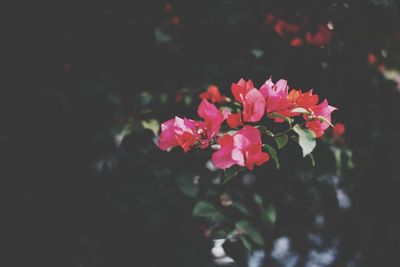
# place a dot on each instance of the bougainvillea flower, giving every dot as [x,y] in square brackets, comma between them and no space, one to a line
[372,59]
[213,119]
[321,37]
[168,8]
[296,42]
[175,20]
[303,100]
[321,110]
[253,106]
[241,88]
[282,28]
[275,95]
[177,132]
[243,148]
[234,120]
[213,94]
[338,129]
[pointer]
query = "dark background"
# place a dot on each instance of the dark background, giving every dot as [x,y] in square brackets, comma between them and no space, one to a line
[55,122]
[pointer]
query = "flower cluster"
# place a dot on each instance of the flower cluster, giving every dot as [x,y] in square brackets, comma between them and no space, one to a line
[296,34]
[241,142]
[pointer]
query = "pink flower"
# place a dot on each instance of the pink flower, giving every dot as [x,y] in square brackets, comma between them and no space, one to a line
[324,110]
[243,148]
[240,89]
[188,133]
[234,120]
[275,94]
[253,106]
[213,119]
[177,132]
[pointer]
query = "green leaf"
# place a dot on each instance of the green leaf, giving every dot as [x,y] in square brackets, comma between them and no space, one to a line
[323,119]
[145,98]
[230,173]
[218,234]
[269,215]
[187,99]
[241,208]
[282,140]
[272,153]
[300,110]
[311,156]
[264,130]
[307,140]
[187,186]
[206,210]
[338,158]
[257,53]
[258,199]
[246,227]
[246,243]
[153,125]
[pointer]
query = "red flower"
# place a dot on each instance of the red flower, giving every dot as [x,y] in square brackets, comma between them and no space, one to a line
[175,20]
[296,42]
[275,95]
[321,37]
[243,148]
[338,130]
[303,100]
[240,89]
[178,98]
[372,59]
[186,140]
[168,8]
[234,120]
[213,94]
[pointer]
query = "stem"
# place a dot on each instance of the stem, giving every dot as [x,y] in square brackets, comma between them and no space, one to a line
[288,130]
[282,133]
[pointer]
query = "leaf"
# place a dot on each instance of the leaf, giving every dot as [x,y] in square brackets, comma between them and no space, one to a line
[337,153]
[257,53]
[206,210]
[187,186]
[307,139]
[311,156]
[246,243]
[269,215]
[258,199]
[264,130]
[323,119]
[300,110]
[246,227]
[272,153]
[282,140]
[145,98]
[152,125]
[230,173]
[218,234]
[241,208]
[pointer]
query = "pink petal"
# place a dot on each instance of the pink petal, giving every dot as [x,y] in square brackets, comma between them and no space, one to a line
[254,106]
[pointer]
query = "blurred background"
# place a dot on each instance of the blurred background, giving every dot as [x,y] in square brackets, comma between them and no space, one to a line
[85,184]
